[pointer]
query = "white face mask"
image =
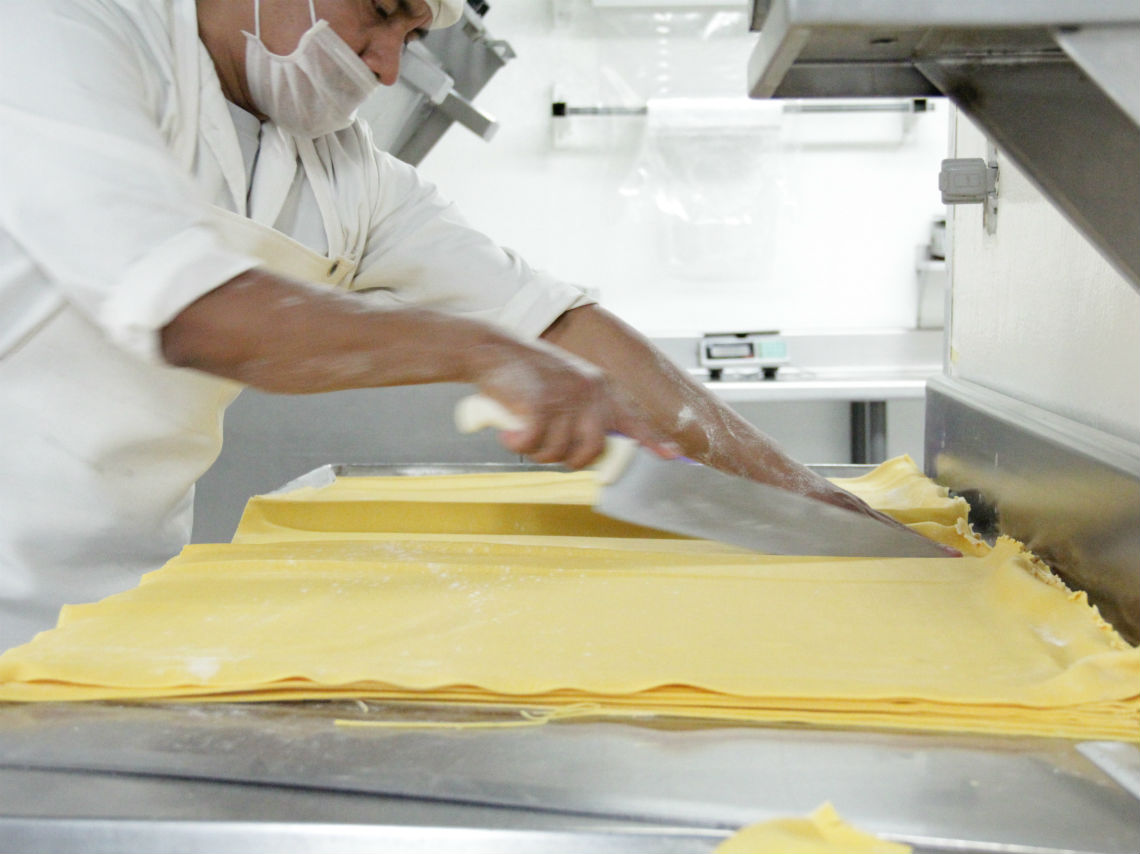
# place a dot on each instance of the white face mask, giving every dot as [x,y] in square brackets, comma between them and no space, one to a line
[313,91]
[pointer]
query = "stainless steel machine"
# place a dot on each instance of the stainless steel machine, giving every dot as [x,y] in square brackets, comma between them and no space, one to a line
[440,75]
[1052,83]
[1053,86]
[281,777]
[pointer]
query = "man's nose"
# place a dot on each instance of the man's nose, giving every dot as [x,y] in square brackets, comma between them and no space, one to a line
[383,53]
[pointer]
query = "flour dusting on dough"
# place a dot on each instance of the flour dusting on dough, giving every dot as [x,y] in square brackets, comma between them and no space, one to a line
[203,667]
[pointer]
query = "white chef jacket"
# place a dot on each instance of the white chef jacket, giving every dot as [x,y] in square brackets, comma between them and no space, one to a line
[115,141]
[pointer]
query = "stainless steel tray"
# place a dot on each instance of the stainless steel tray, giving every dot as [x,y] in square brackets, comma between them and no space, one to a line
[326,474]
[342,470]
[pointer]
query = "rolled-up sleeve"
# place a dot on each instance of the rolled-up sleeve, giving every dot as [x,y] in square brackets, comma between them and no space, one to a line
[89,189]
[421,251]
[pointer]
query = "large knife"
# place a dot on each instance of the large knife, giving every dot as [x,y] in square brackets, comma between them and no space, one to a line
[685,497]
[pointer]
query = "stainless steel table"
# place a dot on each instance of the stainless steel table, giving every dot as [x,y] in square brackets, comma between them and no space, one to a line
[282,777]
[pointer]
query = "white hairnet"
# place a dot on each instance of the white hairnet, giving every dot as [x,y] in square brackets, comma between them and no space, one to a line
[444,13]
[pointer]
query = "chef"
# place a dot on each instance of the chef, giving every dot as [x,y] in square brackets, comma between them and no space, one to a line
[188,206]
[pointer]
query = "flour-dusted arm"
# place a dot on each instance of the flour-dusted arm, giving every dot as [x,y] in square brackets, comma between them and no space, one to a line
[700,424]
[286,336]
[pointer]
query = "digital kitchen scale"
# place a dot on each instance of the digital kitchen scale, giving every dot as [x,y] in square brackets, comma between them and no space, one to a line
[760,352]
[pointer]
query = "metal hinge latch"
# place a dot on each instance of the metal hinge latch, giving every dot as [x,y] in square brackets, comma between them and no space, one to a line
[971,180]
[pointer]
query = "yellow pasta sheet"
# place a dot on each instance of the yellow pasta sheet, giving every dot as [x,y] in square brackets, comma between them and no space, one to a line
[822,832]
[613,624]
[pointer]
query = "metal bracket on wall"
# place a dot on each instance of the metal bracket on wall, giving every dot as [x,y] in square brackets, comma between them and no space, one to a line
[972,180]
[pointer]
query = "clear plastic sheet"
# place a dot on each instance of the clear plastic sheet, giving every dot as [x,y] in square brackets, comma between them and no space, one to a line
[709,174]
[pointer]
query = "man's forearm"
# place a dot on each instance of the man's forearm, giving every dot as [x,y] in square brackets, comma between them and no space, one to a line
[285,336]
[706,429]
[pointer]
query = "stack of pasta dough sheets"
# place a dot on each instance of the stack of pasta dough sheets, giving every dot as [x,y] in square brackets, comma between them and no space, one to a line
[507,589]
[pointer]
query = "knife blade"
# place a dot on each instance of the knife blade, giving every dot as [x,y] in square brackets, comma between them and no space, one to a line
[685,497]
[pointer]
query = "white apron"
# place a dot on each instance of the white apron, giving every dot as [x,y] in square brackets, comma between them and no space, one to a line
[85,531]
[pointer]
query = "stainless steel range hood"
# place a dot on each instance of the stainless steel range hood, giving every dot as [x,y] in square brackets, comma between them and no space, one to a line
[1052,83]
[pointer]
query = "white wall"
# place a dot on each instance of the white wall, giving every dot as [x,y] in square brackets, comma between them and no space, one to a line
[1037,313]
[812,224]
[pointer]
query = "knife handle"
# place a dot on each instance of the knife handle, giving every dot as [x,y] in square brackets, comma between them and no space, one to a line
[477,412]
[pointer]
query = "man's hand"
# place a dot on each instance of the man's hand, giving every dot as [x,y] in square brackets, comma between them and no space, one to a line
[568,405]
